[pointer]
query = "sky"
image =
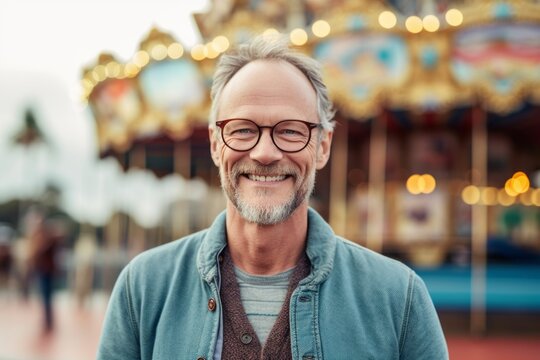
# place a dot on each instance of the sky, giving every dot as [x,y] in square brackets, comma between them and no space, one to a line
[44,45]
[60,37]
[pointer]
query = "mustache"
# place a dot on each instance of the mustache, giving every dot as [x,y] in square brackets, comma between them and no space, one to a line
[239,169]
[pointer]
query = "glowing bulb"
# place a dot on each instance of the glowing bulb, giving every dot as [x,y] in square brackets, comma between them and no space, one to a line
[429,183]
[112,69]
[158,52]
[470,195]
[175,51]
[520,182]
[211,51]
[131,70]
[387,19]
[320,28]
[526,198]
[414,24]
[141,58]
[298,37]
[535,197]
[454,17]
[100,73]
[198,52]
[430,23]
[270,34]
[504,198]
[221,43]
[413,184]
[489,196]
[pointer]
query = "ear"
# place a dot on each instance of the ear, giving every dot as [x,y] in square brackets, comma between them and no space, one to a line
[213,145]
[323,153]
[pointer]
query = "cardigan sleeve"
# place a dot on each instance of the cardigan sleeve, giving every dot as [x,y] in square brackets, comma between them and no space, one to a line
[120,335]
[422,336]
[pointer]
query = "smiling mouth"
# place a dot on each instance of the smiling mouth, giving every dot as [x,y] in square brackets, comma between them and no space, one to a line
[266,178]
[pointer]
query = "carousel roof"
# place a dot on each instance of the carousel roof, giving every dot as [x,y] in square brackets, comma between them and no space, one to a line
[375,54]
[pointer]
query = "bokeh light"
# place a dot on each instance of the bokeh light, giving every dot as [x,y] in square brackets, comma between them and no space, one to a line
[141,58]
[454,17]
[421,184]
[488,196]
[298,37]
[470,195]
[321,28]
[431,23]
[198,52]
[414,24]
[387,19]
[504,198]
[519,183]
[158,52]
[175,51]
[221,43]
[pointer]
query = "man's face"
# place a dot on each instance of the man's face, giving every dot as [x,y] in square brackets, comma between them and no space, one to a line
[265,184]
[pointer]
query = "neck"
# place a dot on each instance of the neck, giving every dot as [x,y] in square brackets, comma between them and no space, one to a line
[266,249]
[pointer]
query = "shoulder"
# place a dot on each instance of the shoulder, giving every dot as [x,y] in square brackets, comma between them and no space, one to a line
[369,265]
[162,261]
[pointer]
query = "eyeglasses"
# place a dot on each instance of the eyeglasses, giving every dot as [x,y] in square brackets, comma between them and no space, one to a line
[288,135]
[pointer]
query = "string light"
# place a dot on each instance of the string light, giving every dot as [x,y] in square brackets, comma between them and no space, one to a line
[321,28]
[414,24]
[198,52]
[175,51]
[421,184]
[430,23]
[387,19]
[298,37]
[454,17]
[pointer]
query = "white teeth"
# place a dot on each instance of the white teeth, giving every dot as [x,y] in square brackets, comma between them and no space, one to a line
[266,178]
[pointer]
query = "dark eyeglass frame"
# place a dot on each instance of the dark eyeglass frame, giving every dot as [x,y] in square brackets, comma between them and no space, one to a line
[221,124]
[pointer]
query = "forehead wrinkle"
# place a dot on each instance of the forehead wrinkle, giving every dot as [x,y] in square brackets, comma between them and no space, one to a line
[266,83]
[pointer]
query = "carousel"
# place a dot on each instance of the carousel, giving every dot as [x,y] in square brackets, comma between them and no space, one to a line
[436,157]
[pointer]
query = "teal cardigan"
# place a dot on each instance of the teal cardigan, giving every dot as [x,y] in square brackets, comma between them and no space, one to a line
[355,304]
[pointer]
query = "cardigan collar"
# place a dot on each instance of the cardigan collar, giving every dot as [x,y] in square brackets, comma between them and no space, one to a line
[320,249]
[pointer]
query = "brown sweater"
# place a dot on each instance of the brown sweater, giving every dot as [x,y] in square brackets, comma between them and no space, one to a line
[239,338]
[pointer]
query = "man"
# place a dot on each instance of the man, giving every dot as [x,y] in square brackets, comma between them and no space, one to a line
[269,279]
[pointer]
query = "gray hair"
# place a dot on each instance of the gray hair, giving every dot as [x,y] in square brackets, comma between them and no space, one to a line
[271,48]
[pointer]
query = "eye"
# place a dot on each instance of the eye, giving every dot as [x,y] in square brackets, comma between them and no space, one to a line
[241,129]
[291,130]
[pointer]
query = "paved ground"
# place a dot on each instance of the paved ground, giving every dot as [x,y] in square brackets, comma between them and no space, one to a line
[77,330]
[75,336]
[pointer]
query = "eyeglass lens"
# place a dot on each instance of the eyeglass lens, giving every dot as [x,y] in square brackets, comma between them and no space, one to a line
[287,135]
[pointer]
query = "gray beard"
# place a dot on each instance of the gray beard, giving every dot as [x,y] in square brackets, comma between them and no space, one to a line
[260,212]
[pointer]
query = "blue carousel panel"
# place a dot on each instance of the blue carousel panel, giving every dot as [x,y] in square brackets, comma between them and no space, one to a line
[363,63]
[171,86]
[499,56]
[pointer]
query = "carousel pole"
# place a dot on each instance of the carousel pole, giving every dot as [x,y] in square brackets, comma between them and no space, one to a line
[338,179]
[479,223]
[376,186]
[181,214]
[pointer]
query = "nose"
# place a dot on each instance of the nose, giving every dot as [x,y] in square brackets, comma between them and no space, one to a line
[265,152]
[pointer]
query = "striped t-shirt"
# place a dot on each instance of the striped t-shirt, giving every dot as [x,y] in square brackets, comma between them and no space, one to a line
[262,297]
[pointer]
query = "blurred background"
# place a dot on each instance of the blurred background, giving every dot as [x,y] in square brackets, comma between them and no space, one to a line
[104,151]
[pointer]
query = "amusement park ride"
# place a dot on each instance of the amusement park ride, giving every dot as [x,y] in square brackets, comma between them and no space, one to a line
[436,150]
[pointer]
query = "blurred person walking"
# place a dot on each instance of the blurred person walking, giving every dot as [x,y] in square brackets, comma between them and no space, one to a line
[44,239]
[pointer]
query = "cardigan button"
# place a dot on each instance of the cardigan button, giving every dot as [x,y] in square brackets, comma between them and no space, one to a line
[246,339]
[212,304]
